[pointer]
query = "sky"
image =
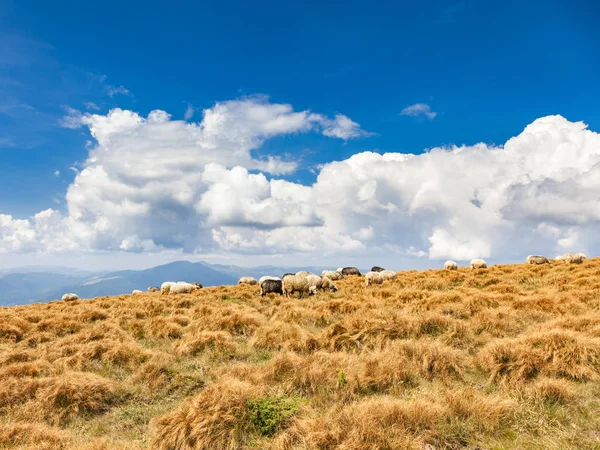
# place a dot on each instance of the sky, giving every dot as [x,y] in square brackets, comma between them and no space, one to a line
[339,133]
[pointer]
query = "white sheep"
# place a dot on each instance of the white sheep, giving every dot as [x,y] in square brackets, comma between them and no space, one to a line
[304,273]
[450,265]
[247,280]
[70,297]
[332,274]
[294,283]
[373,278]
[136,292]
[388,275]
[166,287]
[570,258]
[267,277]
[478,264]
[582,255]
[313,280]
[536,259]
[326,283]
[181,287]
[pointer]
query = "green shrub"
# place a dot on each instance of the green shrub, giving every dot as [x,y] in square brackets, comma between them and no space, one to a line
[269,414]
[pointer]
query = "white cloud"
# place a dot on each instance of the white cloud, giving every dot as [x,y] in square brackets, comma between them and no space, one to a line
[111,90]
[189,112]
[57,173]
[419,109]
[73,118]
[152,184]
[91,106]
[342,127]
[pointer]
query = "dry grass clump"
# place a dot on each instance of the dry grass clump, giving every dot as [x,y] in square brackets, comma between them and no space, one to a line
[553,353]
[32,436]
[218,418]
[504,357]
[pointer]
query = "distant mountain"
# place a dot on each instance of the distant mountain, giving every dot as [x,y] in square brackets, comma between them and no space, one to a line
[69,271]
[23,288]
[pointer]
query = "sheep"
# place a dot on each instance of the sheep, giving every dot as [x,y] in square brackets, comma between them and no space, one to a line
[181,287]
[388,275]
[332,274]
[304,273]
[450,265]
[153,289]
[271,287]
[197,284]
[136,292]
[166,287]
[570,258]
[582,255]
[478,264]
[373,278]
[266,277]
[536,259]
[326,283]
[377,269]
[350,271]
[70,297]
[294,283]
[247,280]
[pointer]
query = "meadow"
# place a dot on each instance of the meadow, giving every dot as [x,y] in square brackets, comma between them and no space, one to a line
[507,357]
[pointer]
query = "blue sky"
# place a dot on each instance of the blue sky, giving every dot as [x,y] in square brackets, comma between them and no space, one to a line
[487,69]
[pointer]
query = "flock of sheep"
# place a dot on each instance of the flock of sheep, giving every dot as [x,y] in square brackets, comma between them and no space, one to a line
[307,283]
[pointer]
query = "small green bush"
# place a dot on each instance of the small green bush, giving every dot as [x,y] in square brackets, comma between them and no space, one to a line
[269,414]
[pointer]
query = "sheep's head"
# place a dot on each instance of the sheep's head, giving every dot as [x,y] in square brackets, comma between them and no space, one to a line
[197,285]
[333,288]
[312,290]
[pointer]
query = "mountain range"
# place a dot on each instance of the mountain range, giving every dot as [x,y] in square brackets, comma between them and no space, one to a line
[45,283]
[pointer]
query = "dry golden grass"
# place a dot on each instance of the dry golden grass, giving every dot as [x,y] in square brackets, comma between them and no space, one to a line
[507,357]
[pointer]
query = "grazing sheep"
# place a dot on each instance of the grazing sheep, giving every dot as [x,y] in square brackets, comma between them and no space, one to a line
[153,289]
[166,287]
[313,280]
[377,269]
[70,297]
[136,292]
[326,283]
[266,277]
[350,271]
[294,283]
[582,255]
[478,264]
[450,265]
[197,284]
[271,287]
[373,278]
[181,287]
[536,259]
[570,258]
[304,273]
[332,274]
[247,280]
[388,275]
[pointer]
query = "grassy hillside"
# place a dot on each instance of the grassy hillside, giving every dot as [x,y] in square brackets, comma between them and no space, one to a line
[507,357]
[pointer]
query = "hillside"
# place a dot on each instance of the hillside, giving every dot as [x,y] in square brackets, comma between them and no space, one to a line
[507,357]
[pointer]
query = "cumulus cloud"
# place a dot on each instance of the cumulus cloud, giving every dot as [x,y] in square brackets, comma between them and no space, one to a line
[153,184]
[419,109]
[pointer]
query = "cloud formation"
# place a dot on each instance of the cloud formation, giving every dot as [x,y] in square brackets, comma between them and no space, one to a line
[111,90]
[153,184]
[419,109]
